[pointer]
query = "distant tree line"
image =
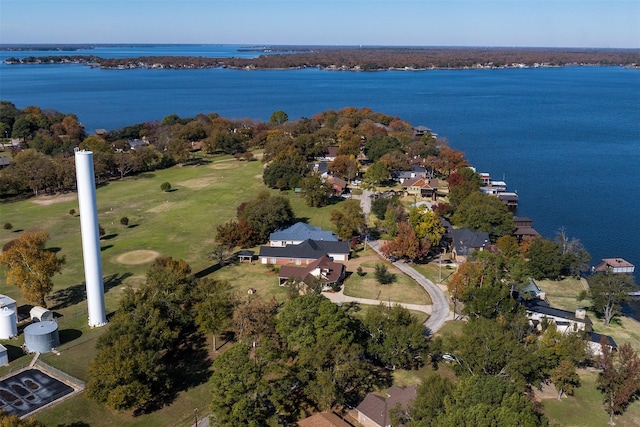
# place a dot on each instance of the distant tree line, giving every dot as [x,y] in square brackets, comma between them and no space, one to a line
[368,58]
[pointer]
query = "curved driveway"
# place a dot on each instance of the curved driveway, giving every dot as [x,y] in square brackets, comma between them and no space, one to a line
[440,308]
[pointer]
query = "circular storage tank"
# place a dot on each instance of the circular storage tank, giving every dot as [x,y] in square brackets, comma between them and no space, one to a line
[41,337]
[8,323]
[40,314]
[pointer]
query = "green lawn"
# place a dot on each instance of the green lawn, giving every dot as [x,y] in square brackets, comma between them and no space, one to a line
[403,289]
[585,408]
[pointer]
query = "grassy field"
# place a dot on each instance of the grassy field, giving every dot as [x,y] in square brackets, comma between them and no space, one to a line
[181,224]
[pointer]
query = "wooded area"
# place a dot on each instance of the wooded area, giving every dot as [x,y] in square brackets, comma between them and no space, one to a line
[368,58]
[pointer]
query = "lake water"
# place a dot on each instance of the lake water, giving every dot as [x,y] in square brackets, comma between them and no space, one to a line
[567,140]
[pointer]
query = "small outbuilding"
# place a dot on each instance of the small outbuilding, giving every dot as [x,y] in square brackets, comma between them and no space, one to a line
[246,256]
[41,314]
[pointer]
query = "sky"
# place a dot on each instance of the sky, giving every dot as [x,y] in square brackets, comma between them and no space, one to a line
[505,23]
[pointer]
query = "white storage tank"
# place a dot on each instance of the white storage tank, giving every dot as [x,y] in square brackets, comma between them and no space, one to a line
[40,314]
[41,337]
[8,302]
[4,357]
[8,323]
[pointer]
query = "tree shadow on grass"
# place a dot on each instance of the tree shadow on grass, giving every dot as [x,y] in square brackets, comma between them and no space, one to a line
[105,247]
[109,236]
[204,273]
[75,294]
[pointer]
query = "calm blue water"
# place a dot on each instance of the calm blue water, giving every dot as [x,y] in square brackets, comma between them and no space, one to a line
[566,139]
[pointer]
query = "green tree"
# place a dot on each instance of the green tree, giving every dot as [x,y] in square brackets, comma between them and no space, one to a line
[30,266]
[278,118]
[485,401]
[375,175]
[565,378]
[165,186]
[607,291]
[240,394]
[382,274]
[427,224]
[481,212]
[349,221]
[214,304]
[544,259]
[7,420]
[430,400]
[265,214]
[396,337]
[316,191]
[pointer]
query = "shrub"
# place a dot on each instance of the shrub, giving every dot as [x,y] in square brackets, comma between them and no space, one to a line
[101,231]
[360,272]
[382,274]
[8,226]
[124,221]
[165,186]
[72,212]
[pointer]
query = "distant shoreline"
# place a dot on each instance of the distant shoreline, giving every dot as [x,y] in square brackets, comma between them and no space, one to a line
[348,58]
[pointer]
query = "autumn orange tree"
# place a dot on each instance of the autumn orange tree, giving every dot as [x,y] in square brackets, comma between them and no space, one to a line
[30,266]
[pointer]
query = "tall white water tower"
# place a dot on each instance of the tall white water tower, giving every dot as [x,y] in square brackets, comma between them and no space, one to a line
[90,238]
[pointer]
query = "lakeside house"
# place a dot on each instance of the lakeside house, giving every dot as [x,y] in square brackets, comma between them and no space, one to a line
[539,311]
[615,265]
[461,242]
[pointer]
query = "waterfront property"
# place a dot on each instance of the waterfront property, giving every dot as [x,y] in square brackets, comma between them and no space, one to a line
[615,265]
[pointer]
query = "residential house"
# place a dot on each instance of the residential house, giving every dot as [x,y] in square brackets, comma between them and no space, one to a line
[323,419]
[304,253]
[420,131]
[462,242]
[298,233]
[329,154]
[615,265]
[417,171]
[374,410]
[539,310]
[338,185]
[421,187]
[324,268]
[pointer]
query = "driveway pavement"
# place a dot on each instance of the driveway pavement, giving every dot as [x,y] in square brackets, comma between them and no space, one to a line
[439,312]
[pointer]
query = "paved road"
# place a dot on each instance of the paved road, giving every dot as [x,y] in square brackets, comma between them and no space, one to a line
[440,308]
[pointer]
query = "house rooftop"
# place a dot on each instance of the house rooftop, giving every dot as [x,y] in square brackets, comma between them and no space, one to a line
[309,249]
[323,419]
[300,232]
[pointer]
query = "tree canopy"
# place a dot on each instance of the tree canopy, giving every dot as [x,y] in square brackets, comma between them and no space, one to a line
[30,266]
